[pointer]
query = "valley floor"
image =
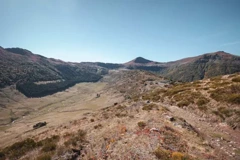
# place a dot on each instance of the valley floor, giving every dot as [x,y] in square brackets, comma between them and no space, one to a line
[55,109]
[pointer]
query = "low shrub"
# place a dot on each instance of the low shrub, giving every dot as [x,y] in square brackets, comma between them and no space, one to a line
[2,156]
[162,154]
[225,111]
[217,113]
[236,79]
[234,98]
[49,147]
[202,101]
[203,108]
[120,115]
[52,139]
[98,126]
[183,103]
[177,156]
[46,156]
[19,149]
[121,107]
[141,124]
[77,139]
[148,107]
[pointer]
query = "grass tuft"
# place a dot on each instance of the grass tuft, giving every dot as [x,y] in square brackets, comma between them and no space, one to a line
[162,154]
[142,124]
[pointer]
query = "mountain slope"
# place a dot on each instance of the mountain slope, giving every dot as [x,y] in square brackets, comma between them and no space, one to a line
[193,68]
[204,66]
[19,65]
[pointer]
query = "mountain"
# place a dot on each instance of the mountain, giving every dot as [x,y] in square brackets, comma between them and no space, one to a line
[203,66]
[193,68]
[144,64]
[139,61]
[20,66]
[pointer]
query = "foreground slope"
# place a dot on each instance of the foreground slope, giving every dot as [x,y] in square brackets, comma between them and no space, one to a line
[153,120]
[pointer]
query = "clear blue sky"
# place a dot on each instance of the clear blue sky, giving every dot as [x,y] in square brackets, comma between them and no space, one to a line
[120,30]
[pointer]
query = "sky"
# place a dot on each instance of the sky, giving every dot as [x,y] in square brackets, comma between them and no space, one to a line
[120,30]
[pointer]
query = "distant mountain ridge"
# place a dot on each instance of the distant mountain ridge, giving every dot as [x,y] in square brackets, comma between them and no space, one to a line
[20,65]
[192,68]
[203,66]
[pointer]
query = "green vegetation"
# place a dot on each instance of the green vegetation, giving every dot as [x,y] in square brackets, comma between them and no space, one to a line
[202,101]
[45,156]
[142,124]
[217,113]
[31,89]
[98,126]
[226,112]
[21,66]
[175,90]
[203,108]
[148,107]
[229,94]
[154,95]
[49,147]
[48,141]
[178,156]
[121,107]
[236,79]
[183,103]
[2,156]
[185,94]
[77,139]
[19,149]
[237,152]
[121,115]
[162,154]
[234,98]
[109,65]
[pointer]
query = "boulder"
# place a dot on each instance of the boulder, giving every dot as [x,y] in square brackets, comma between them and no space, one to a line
[40,124]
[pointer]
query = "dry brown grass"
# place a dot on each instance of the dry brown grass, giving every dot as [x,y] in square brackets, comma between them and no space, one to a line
[146,135]
[236,79]
[229,94]
[148,107]
[45,156]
